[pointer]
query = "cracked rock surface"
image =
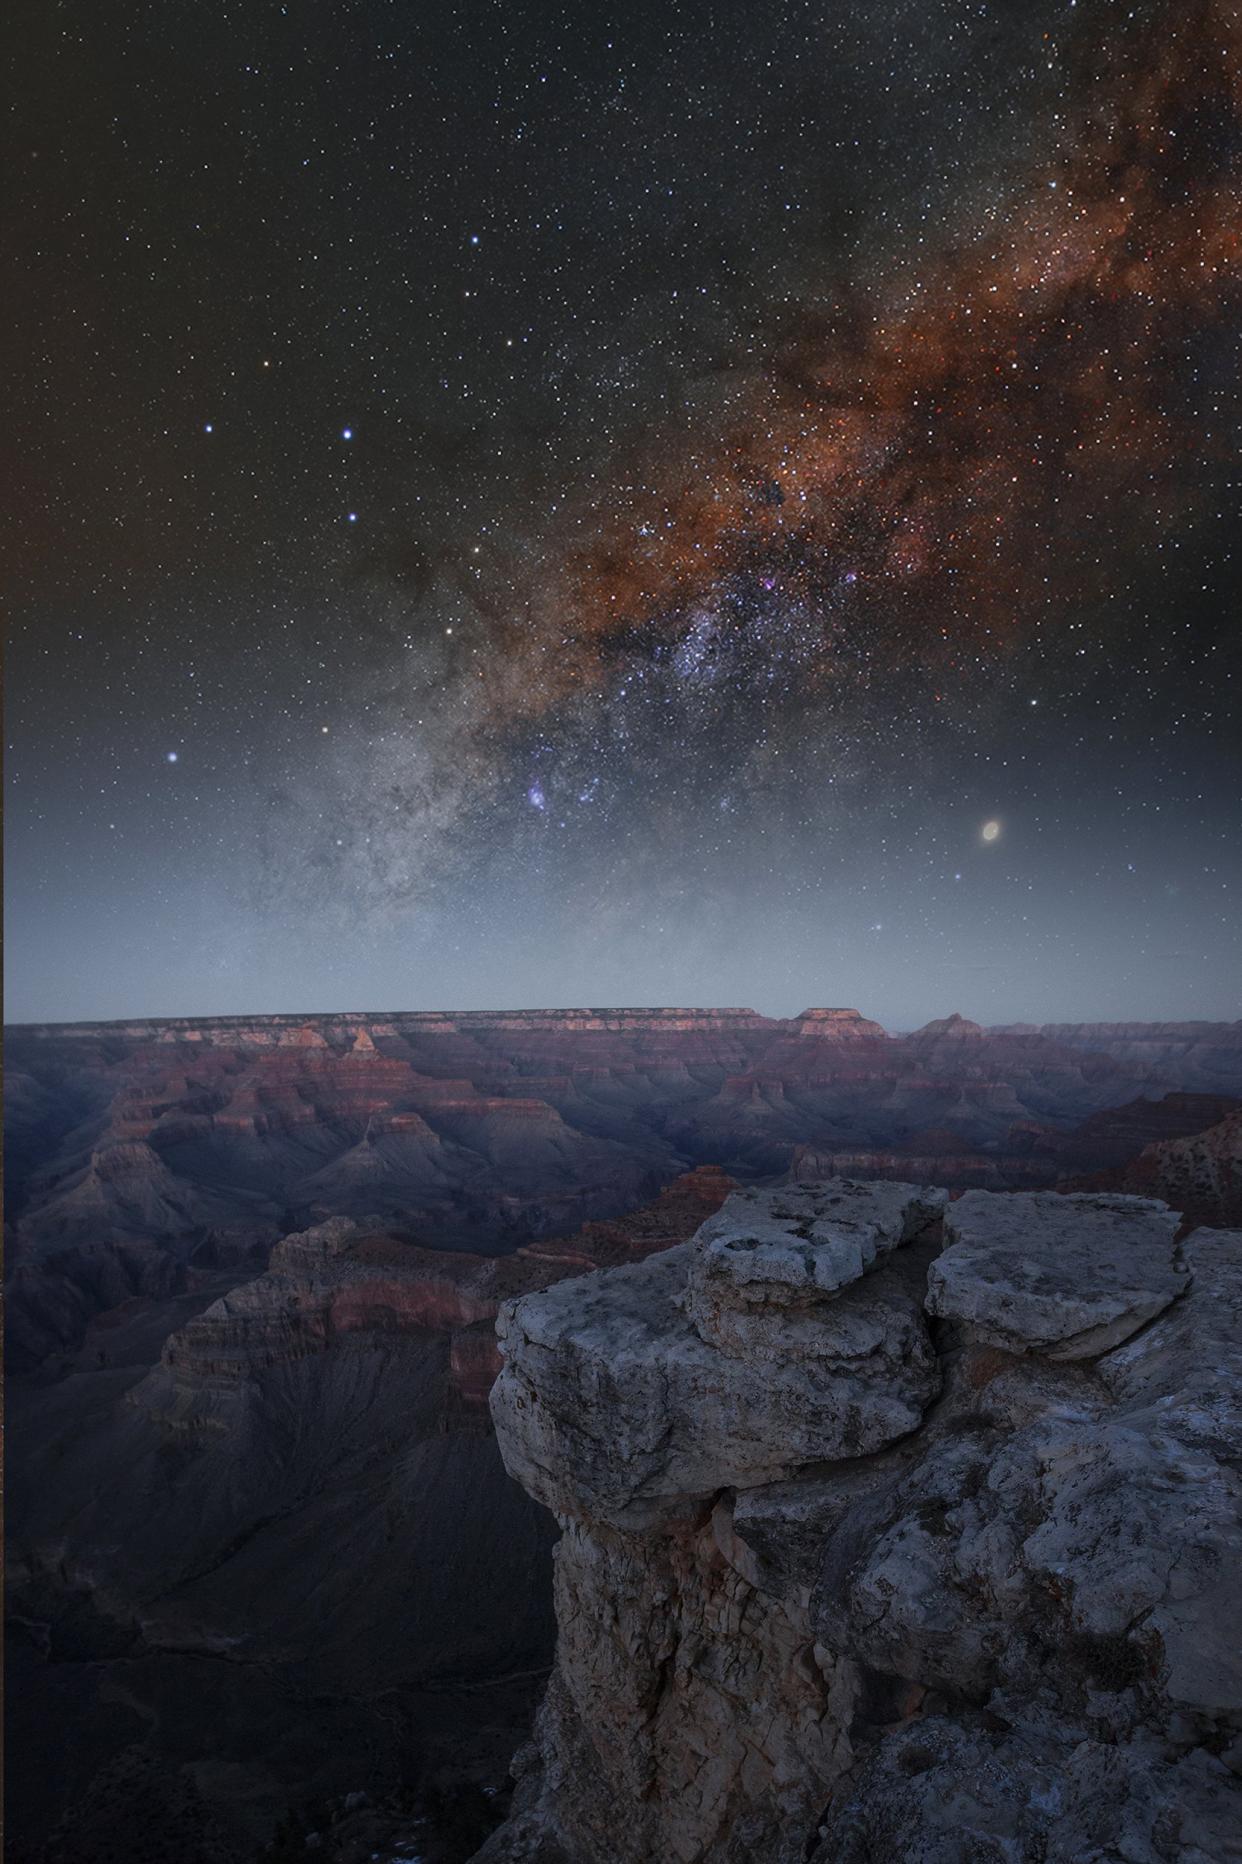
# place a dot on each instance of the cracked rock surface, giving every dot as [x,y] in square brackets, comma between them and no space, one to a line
[626,1394]
[1064,1276]
[881,1544]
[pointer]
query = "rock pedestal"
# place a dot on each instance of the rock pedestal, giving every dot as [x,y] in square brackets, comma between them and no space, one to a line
[891,1529]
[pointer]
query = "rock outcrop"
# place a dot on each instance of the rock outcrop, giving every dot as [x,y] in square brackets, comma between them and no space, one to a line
[955,1028]
[1069,1277]
[891,1529]
[837,1026]
[733,1360]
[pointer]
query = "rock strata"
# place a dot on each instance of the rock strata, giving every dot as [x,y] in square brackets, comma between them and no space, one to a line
[190,1138]
[875,1549]
[279,1521]
[1199,1172]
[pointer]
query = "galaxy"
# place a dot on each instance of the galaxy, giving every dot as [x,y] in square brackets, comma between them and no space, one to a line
[639,505]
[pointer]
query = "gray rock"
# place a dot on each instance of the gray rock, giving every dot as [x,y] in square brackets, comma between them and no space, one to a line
[802,1242]
[611,1404]
[1008,1634]
[1070,1277]
[936,1793]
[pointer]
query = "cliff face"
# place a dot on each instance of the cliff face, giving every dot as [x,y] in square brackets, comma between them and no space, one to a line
[343,1278]
[289,1543]
[1201,1057]
[892,1529]
[1198,1173]
[1122,1148]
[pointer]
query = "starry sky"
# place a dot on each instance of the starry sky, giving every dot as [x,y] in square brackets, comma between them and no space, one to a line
[625,503]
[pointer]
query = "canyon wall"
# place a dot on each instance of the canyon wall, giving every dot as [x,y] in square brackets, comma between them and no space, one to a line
[1199,1173]
[892,1528]
[260,1538]
[140,1154]
[261,1548]
[1203,1055]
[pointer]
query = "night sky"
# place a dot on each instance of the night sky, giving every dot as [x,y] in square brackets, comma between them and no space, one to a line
[531,504]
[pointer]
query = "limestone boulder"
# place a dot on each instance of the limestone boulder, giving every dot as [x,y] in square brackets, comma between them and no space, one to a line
[766,1266]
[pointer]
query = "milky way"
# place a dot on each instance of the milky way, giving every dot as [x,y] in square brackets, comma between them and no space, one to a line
[951,461]
[610,510]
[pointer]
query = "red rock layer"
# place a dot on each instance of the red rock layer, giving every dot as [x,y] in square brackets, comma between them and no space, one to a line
[1200,1175]
[207,1137]
[342,1278]
[673,1218]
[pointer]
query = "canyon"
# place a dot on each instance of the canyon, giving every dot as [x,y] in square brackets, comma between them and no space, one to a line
[138,1154]
[263,1552]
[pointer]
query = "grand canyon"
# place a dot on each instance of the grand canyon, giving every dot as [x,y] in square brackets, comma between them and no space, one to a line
[654,505]
[271,1581]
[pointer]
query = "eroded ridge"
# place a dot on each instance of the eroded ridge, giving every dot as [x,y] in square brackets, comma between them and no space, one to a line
[892,1528]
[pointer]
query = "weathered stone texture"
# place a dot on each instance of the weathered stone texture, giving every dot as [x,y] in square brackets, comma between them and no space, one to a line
[840,1585]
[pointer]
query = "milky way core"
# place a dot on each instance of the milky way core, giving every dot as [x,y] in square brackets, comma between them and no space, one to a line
[614,511]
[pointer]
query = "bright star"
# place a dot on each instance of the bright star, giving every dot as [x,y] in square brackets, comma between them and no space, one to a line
[347,433]
[172,757]
[990,831]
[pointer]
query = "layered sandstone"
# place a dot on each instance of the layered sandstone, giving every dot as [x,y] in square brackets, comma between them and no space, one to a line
[674,1216]
[891,1528]
[1120,1148]
[1199,1056]
[140,1153]
[346,1277]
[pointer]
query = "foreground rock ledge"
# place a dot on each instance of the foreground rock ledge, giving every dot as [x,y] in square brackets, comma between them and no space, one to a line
[892,1530]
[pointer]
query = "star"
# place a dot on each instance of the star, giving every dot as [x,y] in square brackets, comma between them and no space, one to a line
[990,831]
[172,757]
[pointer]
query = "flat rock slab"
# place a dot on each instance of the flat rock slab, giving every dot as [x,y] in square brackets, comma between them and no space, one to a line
[803,1243]
[1069,1277]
